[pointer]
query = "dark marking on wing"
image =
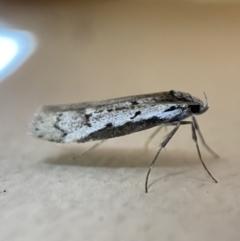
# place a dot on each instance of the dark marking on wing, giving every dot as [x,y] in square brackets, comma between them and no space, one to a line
[109,125]
[110,131]
[87,117]
[171,108]
[136,114]
[121,108]
[56,126]
[134,102]
[110,110]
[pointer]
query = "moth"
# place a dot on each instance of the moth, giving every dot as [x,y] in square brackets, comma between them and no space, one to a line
[91,121]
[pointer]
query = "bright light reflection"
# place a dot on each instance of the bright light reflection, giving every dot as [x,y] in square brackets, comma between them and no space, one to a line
[16,47]
[8,50]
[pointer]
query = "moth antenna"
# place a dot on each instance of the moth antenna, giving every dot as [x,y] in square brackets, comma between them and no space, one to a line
[206,107]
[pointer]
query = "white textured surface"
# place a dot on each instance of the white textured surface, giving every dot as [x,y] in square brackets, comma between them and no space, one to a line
[106,50]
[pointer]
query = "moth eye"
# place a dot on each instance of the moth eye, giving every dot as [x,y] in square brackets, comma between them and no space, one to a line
[195,109]
[172,92]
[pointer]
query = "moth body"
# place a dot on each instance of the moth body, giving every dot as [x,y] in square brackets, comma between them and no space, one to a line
[112,118]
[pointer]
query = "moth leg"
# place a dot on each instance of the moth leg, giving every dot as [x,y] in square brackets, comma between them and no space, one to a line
[90,148]
[194,137]
[168,138]
[201,137]
[162,145]
[153,135]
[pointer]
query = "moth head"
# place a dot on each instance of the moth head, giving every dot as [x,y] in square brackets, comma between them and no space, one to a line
[196,105]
